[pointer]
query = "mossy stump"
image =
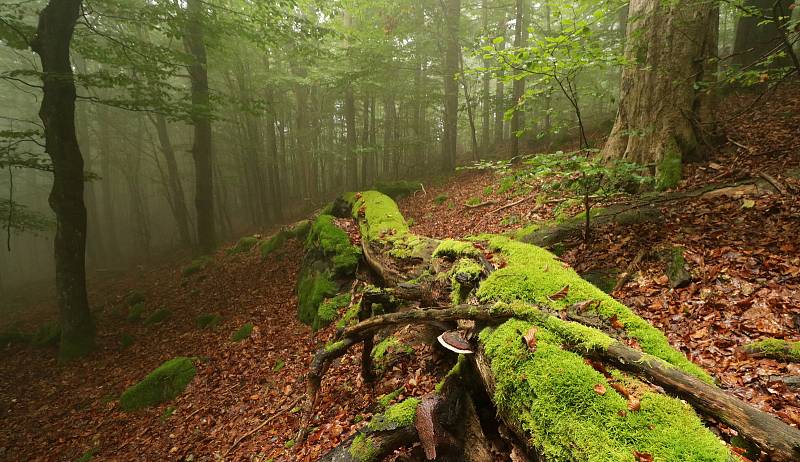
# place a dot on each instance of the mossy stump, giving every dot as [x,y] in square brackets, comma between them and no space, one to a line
[163,384]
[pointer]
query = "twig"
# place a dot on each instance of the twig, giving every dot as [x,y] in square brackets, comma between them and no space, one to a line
[775,183]
[482,204]
[261,425]
[746,148]
[628,273]
[510,205]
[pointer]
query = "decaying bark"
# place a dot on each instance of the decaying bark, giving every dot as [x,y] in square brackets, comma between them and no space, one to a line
[585,333]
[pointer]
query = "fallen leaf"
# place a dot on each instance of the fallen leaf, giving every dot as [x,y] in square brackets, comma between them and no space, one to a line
[530,339]
[748,203]
[634,404]
[600,389]
[561,294]
[642,456]
[615,323]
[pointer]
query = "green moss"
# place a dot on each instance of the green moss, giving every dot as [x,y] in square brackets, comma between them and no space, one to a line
[329,310]
[158,316]
[125,341]
[532,274]
[47,335]
[350,317]
[278,365]
[363,449]
[135,312]
[134,298]
[384,348]
[526,230]
[167,413]
[208,320]
[781,350]
[453,249]
[454,371]
[163,384]
[381,217]
[300,229]
[245,244]
[473,201]
[395,416]
[197,265]
[334,243]
[551,393]
[463,267]
[333,346]
[440,199]
[87,456]
[312,288]
[242,333]
[385,400]
[289,444]
[669,169]
[272,244]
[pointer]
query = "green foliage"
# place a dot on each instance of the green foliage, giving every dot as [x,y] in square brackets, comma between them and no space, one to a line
[242,333]
[19,219]
[244,245]
[473,201]
[163,384]
[350,317]
[208,320]
[87,456]
[197,265]
[278,365]
[135,312]
[158,316]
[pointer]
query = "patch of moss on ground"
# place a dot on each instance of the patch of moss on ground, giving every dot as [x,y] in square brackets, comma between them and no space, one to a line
[163,384]
[440,199]
[328,310]
[134,298]
[208,320]
[272,244]
[242,333]
[196,265]
[135,312]
[245,244]
[533,274]
[158,316]
[781,350]
[312,288]
[382,351]
[551,393]
[125,341]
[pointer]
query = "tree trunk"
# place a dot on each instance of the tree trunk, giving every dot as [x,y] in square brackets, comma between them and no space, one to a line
[351,179]
[274,163]
[520,40]
[452,17]
[52,44]
[201,120]
[499,93]
[177,198]
[665,94]
[757,38]
[486,81]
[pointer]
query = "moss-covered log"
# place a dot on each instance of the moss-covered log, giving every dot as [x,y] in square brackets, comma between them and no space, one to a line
[781,350]
[563,406]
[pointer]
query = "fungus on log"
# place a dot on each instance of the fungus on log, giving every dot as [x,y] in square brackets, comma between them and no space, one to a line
[567,367]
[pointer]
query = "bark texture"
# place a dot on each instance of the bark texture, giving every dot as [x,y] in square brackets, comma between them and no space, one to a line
[52,44]
[452,15]
[665,97]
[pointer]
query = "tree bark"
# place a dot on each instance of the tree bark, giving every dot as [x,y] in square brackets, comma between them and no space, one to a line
[177,198]
[756,39]
[520,40]
[664,93]
[52,44]
[452,17]
[201,120]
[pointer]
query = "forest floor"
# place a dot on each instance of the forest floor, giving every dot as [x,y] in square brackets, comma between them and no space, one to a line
[744,258]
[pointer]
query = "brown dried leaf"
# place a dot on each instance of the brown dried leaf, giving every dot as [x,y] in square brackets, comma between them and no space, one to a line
[600,389]
[530,339]
[561,294]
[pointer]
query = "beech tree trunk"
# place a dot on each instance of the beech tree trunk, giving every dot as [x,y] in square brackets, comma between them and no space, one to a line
[755,38]
[201,148]
[499,92]
[666,94]
[452,17]
[52,44]
[520,38]
[177,198]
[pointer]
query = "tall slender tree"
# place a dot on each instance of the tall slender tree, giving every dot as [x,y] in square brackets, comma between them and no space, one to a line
[450,65]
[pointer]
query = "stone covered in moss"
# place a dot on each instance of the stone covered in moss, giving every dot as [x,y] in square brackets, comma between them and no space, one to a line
[163,384]
[781,350]
[333,243]
[312,288]
[552,394]
[676,270]
[272,244]
[533,274]
[242,333]
[243,245]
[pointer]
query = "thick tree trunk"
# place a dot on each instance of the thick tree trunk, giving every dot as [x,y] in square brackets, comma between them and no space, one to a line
[452,17]
[201,120]
[177,198]
[665,94]
[52,44]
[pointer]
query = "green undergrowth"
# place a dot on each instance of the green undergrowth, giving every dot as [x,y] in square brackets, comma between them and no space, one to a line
[197,265]
[163,384]
[328,310]
[533,274]
[242,333]
[244,245]
[208,320]
[552,394]
[781,350]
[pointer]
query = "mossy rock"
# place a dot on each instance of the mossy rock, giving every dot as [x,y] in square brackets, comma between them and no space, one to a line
[242,333]
[676,270]
[333,243]
[163,384]
[328,310]
[312,289]
[135,312]
[197,265]
[158,316]
[244,245]
[269,246]
[780,350]
[208,320]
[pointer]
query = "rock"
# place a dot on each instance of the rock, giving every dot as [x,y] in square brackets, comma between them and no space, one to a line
[676,270]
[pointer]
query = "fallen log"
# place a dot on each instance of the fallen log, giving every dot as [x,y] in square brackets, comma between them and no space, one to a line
[773,348]
[534,365]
